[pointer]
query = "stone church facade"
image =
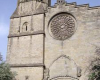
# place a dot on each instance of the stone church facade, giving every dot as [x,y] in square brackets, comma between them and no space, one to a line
[53,42]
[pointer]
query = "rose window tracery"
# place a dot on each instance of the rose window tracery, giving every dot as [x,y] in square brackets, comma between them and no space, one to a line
[62,26]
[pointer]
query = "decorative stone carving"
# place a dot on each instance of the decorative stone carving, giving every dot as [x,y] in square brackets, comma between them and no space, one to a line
[79,72]
[62,26]
[26,77]
[60,1]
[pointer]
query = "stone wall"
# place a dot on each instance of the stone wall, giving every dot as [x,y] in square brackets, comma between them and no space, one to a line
[29,73]
[80,47]
[24,50]
[38,54]
[17,24]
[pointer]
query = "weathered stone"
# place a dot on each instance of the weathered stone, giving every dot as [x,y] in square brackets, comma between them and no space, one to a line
[38,48]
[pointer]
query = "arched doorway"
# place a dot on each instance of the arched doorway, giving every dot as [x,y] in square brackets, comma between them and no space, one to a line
[64,78]
[62,68]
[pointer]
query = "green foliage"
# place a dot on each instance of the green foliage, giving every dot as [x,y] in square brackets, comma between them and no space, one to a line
[5,72]
[95,75]
[92,76]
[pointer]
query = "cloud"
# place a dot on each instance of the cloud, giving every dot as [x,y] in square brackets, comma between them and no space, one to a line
[4,29]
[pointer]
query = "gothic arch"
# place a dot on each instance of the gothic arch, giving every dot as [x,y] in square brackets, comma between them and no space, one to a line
[63,67]
[59,58]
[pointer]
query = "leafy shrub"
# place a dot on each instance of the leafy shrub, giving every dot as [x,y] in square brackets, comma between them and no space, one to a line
[5,72]
[95,75]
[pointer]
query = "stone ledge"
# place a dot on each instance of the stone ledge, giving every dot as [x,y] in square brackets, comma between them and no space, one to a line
[18,16]
[27,65]
[26,34]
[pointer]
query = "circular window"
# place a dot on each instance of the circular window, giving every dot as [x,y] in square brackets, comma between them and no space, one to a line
[62,26]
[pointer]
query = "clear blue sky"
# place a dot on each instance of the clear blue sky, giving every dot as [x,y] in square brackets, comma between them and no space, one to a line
[7,7]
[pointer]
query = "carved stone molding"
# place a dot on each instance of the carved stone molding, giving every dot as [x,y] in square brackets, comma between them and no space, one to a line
[26,65]
[26,34]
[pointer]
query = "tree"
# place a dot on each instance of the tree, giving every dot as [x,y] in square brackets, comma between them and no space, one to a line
[0,57]
[95,71]
[95,75]
[5,71]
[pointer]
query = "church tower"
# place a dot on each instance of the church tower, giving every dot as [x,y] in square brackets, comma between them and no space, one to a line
[26,39]
[53,42]
[48,2]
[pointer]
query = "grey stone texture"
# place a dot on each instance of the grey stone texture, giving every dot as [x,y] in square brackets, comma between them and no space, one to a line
[36,55]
